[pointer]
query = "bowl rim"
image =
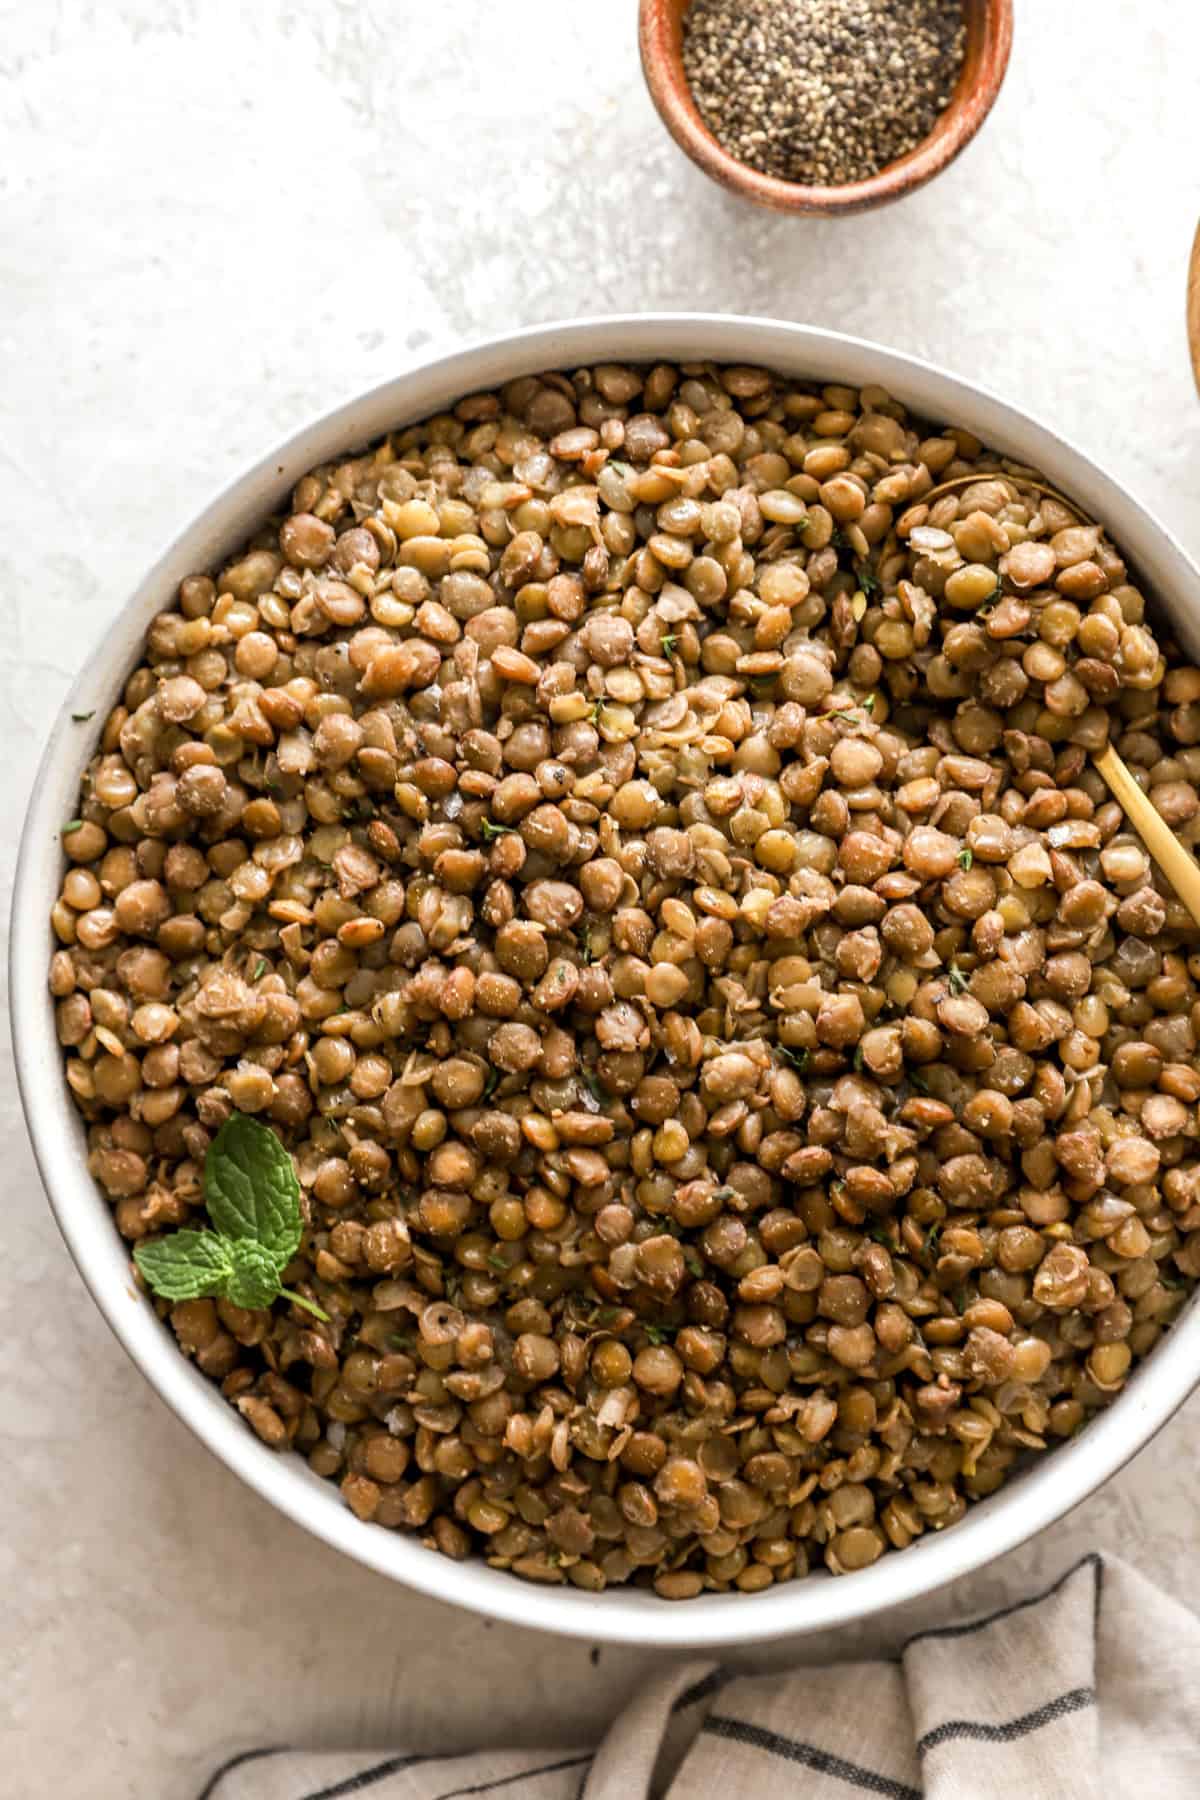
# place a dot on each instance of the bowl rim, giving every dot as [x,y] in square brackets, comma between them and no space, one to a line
[994,1526]
[953,130]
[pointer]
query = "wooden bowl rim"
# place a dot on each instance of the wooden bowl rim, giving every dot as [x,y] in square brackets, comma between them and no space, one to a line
[968,108]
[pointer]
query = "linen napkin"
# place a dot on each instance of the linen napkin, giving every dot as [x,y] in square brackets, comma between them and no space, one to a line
[1086,1690]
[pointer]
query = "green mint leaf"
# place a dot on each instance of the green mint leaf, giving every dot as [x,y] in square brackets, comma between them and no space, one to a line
[253,1279]
[251,1190]
[187,1265]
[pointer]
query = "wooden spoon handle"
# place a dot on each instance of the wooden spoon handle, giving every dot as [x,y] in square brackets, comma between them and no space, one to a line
[1180,868]
[1193,307]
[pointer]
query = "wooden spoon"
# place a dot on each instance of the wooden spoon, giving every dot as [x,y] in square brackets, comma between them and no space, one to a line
[1193,307]
[1176,863]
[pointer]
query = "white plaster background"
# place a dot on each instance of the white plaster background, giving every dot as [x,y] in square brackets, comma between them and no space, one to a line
[217,218]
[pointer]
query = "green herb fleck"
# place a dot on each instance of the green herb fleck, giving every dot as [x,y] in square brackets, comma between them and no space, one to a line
[918,1082]
[882,1236]
[932,1238]
[851,713]
[260,969]
[868,581]
[839,540]
[799,1059]
[72,825]
[858,1057]
[956,979]
[585,944]
[253,1200]
[965,858]
[497,1262]
[594,1086]
[658,1334]
[492,830]
[492,1082]
[400,1340]
[962,1299]
[669,642]
[82,718]
[694,1263]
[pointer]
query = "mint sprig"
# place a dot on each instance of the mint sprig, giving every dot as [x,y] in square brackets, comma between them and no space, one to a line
[253,1199]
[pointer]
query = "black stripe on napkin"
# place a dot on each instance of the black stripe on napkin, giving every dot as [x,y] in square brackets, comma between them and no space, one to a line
[368,1778]
[709,1684]
[1092,1560]
[485,1787]
[1061,1708]
[821,1762]
[236,1762]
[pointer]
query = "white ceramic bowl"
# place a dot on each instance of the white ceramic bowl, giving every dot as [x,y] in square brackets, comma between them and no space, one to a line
[1029,1502]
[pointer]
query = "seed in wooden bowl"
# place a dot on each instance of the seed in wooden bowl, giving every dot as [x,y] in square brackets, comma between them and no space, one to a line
[822,91]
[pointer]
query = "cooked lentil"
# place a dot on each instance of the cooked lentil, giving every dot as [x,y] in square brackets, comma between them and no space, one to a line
[822,91]
[739,1065]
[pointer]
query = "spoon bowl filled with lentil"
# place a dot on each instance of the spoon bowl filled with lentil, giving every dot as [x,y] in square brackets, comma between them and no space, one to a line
[622,872]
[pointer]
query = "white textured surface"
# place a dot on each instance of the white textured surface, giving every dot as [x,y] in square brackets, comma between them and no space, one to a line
[216,219]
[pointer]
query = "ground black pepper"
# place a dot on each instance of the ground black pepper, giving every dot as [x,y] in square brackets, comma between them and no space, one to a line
[822,91]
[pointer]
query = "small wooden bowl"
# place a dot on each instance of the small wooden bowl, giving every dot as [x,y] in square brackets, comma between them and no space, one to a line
[989,40]
[1193,307]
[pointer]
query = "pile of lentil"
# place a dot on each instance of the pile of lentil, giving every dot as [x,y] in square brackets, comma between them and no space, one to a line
[643,859]
[822,91]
